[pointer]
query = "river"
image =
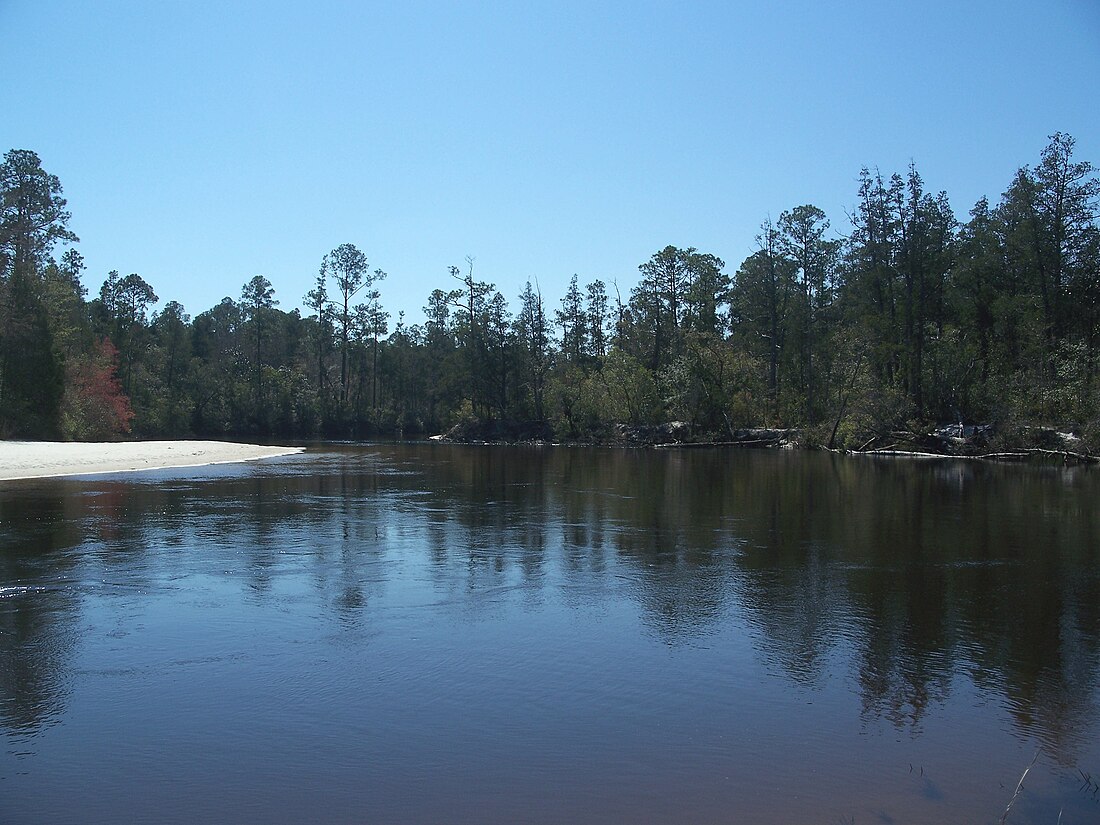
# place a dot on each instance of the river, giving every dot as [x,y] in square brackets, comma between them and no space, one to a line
[430,633]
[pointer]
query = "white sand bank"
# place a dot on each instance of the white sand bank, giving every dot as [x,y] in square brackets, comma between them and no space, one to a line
[41,459]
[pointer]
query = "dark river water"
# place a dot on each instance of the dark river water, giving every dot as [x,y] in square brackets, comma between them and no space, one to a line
[403,633]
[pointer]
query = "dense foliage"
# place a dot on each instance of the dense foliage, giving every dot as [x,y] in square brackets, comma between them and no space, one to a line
[913,318]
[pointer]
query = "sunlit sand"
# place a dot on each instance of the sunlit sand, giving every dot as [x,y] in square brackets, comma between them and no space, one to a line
[42,459]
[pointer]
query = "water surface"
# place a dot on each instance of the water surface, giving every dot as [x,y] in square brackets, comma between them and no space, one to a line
[435,633]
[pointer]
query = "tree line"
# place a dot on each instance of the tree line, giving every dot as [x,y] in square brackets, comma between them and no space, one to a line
[912,318]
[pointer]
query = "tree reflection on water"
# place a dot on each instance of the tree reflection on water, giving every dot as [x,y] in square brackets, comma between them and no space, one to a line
[919,573]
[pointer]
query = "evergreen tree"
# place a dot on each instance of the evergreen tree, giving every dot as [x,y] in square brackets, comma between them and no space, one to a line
[171,330]
[373,324]
[317,300]
[802,239]
[1049,217]
[533,351]
[761,301]
[597,316]
[706,294]
[256,305]
[348,267]
[571,320]
[126,302]
[472,305]
[33,219]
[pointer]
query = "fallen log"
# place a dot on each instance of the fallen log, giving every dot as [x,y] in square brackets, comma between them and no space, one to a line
[1013,455]
[906,454]
[748,443]
[1066,455]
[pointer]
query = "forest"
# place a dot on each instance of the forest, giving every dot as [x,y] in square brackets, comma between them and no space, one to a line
[912,319]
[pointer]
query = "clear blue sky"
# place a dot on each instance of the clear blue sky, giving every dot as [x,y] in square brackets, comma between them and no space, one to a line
[202,143]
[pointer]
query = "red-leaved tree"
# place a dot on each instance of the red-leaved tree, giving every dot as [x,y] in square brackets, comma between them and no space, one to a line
[94,406]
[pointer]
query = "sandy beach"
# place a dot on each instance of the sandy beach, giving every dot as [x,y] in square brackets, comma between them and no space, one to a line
[42,459]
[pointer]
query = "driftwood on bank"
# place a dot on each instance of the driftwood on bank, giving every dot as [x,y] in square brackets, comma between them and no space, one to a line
[971,442]
[758,442]
[976,441]
[904,453]
[1066,456]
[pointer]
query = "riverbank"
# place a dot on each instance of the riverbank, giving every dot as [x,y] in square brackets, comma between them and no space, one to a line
[43,459]
[1022,444]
